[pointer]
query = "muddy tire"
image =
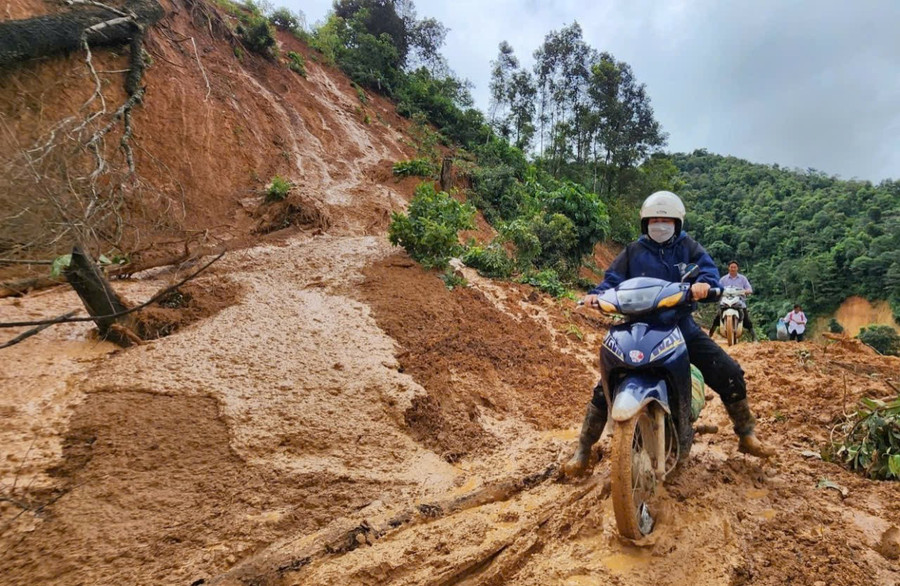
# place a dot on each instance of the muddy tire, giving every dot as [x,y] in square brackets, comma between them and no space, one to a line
[729,331]
[633,476]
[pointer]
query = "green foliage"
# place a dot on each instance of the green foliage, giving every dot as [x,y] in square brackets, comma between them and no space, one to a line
[547,281]
[586,212]
[429,232]
[258,34]
[360,93]
[278,189]
[60,263]
[800,236]
[238,52]
[489,261]
[883,338]
[414,168]
[296,63]
[834,327]
[872,444]
[452,280]
[284,19]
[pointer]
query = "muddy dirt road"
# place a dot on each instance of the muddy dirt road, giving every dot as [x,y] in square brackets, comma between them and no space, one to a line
[347,419]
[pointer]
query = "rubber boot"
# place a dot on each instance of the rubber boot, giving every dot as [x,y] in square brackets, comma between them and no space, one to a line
[744,423]
[591,428]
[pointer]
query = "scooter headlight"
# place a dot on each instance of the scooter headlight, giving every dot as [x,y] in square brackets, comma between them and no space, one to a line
[669,343]
[610,344]
[637,300]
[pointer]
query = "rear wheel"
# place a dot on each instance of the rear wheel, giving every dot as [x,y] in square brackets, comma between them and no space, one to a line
[634,474]
[730,334]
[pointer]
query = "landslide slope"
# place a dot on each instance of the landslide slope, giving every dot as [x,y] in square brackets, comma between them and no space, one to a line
[343,417]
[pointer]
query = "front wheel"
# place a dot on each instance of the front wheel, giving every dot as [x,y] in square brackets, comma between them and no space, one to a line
[634,473]
[730,334]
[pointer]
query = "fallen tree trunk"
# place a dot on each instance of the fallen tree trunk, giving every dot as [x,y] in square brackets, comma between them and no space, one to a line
[100,300]
[295,553]
[43,36]
[23,286]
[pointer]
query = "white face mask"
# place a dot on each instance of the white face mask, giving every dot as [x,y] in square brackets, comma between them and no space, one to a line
[661,231]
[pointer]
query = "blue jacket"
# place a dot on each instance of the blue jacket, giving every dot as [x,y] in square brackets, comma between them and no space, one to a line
[647,258]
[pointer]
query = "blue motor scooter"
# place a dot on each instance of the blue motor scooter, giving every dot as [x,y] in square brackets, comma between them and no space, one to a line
[654,395]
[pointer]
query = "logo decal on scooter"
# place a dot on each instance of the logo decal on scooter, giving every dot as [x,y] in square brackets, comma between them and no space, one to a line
[636,355]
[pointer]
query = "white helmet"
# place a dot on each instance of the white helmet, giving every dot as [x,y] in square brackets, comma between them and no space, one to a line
[662,204]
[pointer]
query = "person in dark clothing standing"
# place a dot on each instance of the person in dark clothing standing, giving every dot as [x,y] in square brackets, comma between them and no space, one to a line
[657,253]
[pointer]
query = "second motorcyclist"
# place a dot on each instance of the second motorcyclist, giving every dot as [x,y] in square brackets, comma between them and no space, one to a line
[738,281]
[661,247]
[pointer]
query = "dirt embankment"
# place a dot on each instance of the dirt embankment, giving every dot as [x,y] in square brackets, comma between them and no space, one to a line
[216,124]
[856,313]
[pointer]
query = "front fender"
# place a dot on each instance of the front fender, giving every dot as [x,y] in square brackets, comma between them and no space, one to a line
[635,391]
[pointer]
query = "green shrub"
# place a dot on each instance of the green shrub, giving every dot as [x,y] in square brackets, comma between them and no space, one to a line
[414,168]
[558,238]
[429,232]
[883,338]
[585,210]
[452,280]
[528,245]
[547,281]
[296,63]
[834,326]
[872,444]
[490,261]
[284,19]
[497,192]
[259,36]
[278,189]
[360,93]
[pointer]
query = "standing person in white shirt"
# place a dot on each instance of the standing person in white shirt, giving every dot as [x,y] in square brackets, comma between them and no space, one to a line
[739,281]
[796,323]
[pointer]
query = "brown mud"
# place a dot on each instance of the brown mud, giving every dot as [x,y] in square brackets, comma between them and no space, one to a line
[327,412]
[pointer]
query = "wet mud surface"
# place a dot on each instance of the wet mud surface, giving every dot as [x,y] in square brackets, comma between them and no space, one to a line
[351,420]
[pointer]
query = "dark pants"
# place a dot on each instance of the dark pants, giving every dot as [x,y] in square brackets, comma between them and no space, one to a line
[797,336]
[748,325]
[720,371]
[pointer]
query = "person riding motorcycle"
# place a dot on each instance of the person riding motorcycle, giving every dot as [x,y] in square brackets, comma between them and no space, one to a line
[739,281]
[661,247]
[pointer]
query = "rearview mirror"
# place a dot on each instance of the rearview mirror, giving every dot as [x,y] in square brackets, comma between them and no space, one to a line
[688,271]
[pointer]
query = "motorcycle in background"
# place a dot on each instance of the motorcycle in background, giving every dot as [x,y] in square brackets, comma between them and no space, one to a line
[732,306]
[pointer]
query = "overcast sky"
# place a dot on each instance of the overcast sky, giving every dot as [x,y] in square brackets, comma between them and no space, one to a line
[798,83]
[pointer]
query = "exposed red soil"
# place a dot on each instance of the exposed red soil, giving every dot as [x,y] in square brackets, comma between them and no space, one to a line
[470,357]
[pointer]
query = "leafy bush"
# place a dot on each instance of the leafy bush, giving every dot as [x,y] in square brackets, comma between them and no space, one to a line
[429,232]
[835,327]
[452,280]
[883,338]
[284,19]
[547,281]
[558,238]
[872,444]
[414,168]
[497,192]
[528,245]
[278,189]
[258,34]
[296,63]
[585,210]
[489,261]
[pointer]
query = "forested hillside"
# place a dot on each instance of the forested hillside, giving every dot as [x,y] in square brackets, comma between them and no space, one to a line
[799,236]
